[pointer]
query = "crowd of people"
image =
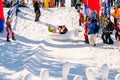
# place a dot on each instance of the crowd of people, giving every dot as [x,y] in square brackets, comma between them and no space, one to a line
[94,23]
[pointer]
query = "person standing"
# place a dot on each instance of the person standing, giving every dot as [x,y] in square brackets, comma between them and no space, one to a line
[56,3]
[107,39]
[86,29]
[37,10]
[42,3]
[9,29]
[91,32]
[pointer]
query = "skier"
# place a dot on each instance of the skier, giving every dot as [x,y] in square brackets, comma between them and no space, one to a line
[9,29]
[37,10]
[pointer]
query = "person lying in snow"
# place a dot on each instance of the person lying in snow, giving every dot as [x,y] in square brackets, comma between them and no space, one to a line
[60,30]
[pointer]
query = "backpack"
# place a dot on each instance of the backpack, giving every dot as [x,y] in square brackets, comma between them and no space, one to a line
[96,29]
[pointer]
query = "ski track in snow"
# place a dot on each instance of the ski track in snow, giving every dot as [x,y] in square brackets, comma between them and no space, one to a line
[34,50]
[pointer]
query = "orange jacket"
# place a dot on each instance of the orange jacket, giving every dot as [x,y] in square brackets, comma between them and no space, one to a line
[115,13]
[118,12]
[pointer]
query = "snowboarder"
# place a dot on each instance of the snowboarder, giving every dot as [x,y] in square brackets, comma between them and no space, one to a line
[9,29]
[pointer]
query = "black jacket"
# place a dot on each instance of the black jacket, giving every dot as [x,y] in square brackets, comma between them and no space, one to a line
[36,6]
[109,27]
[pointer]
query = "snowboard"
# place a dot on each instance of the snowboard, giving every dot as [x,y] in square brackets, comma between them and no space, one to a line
[44,74]
[90,74]
[77,78]
[105,72]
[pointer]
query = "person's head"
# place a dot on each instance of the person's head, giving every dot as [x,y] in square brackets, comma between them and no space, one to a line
[118,6]
[108,19]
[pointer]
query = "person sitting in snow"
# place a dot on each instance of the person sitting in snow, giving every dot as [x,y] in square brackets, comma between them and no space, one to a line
[9,29]
[63,29]
[60,30]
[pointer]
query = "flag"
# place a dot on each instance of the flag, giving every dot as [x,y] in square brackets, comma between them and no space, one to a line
[1,17]
[93,4]
[86,10]
[108,6]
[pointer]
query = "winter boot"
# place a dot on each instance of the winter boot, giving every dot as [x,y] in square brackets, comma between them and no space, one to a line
[8,40]
[13,38]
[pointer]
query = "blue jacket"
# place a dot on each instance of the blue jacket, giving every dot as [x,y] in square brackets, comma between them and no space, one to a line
[92,27]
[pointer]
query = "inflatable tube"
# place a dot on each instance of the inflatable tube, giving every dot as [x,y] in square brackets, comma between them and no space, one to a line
[1,25]
[1,17]
[60,37]
[64,37]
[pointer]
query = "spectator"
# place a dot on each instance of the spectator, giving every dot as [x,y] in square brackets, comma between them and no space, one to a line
[9,29]
[37,10]
[107,33]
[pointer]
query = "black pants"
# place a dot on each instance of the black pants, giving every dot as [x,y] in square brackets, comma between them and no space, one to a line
[104,37]
[56,3]
[37,15]
[115,21]
[107,38]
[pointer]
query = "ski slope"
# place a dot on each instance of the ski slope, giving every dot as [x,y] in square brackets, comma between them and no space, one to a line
[34,50]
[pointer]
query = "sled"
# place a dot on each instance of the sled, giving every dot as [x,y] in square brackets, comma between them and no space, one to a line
[44,74]
[63,37]
[105,72]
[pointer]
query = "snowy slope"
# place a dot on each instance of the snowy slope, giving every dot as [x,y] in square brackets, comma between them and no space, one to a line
[35,50]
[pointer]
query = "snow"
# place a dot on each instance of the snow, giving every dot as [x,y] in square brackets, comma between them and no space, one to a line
[34,50]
